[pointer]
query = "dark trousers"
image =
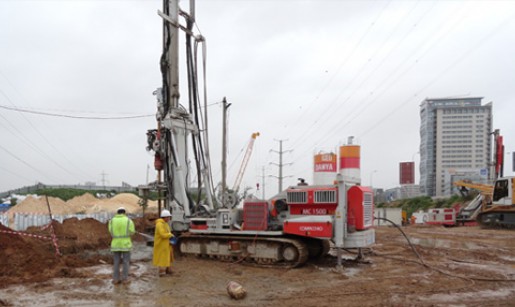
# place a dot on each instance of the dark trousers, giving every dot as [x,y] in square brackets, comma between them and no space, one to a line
[125,257]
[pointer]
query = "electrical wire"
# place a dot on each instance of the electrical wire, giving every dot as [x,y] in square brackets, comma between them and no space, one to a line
[364,105]
[73,116]
[330,113]
[32,145]
[74,165]
[342,64]
[431,44]
[332,109]
[25,163]
[458,60]
[338,126]
[15,174]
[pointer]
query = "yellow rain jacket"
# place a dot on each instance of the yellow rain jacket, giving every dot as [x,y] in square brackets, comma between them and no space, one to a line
[163,251]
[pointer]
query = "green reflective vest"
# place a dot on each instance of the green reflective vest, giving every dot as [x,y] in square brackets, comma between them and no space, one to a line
[121,228]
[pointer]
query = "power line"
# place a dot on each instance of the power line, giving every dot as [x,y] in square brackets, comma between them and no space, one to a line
[38,131]
[458,59]
[355,112]
[342,64]
[22,161]
[14,173]
[328,112]
[73,116]
[33,145]
[28,142]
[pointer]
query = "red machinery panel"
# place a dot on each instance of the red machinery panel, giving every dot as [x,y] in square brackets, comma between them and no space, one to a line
[255,215]
[315,227]
[360,211]
[312,201]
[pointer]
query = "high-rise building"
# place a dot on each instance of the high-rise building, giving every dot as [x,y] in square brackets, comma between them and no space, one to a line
[407,180]
[455,143]
[407,173]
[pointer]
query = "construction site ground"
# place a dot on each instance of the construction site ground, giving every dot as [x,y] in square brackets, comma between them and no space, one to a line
[458,266]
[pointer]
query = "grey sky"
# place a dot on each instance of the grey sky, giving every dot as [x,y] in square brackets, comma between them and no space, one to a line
[311,72]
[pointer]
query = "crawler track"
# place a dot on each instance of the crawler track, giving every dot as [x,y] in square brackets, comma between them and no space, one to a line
[266,251]
[504,219]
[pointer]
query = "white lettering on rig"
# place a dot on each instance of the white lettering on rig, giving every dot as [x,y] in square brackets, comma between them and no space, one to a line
[314,211]
[320,211]
[327,158]
[311,228]
[327,167]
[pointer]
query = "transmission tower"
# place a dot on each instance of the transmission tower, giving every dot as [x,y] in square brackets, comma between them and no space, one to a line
[280,164]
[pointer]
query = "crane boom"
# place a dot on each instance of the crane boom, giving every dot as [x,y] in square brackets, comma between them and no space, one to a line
[245,161]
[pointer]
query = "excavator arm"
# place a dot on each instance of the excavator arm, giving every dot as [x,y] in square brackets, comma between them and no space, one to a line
[465,184]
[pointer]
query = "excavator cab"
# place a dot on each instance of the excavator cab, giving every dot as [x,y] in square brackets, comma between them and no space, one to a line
[499,212]
[503,192]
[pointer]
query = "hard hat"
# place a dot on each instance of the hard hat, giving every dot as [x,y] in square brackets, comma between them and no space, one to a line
[165,213]
[120,210]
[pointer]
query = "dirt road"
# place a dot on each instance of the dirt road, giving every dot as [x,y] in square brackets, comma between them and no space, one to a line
[465,266]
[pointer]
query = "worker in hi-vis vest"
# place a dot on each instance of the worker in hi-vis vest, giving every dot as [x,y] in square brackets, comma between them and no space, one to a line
[121,229]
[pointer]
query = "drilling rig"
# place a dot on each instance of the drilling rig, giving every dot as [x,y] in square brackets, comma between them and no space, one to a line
[286,231]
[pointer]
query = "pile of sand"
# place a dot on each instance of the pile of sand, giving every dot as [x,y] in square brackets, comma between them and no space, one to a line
[80,204]
[37,204]
[127,200]
[86,203]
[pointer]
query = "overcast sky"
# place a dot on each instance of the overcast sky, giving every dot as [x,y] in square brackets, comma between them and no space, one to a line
[311,73]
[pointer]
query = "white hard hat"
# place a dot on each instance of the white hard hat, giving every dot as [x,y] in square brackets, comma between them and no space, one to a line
[165,213]
[120,210]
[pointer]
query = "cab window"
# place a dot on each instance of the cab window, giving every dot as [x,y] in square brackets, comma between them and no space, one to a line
[500,190]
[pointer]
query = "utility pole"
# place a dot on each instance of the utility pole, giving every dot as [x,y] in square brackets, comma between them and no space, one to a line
[225,106]
[281,164]
[263,183]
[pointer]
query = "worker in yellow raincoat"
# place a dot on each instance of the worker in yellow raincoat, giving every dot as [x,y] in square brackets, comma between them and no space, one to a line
[163,250]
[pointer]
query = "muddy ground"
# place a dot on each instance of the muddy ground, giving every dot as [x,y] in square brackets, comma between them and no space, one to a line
[463,266]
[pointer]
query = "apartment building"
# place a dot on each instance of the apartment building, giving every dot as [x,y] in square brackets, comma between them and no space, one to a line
[455,143]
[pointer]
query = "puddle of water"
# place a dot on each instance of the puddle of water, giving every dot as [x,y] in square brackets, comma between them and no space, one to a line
[96,290]
[350,272]
[507,271]
[441,243]
[141,251]
[507,257]
[476,296]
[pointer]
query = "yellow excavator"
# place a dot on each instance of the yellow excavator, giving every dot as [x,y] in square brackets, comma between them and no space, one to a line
[496,205]
[500,211]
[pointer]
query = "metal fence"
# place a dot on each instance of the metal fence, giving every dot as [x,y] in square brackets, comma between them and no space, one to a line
[393,214]
[24,220]
[4,220]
